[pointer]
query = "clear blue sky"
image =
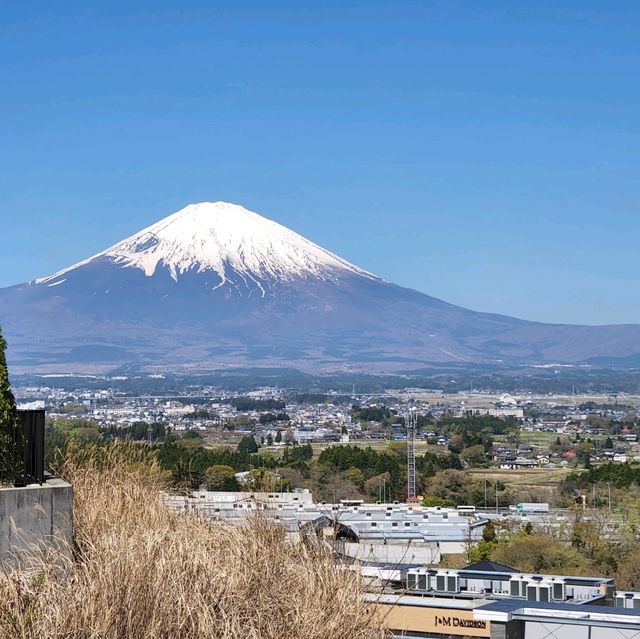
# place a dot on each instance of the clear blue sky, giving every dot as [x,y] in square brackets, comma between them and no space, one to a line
[487,153]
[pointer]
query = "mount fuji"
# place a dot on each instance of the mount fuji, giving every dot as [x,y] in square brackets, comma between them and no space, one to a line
[217,285]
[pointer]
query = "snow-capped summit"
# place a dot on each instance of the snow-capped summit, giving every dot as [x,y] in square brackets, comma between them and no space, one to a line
[228,240]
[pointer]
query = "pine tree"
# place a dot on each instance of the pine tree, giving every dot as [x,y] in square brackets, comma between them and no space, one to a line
[247,445]
[10,435]
[489,531]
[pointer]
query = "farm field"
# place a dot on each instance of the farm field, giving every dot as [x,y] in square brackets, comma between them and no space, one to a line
[377,444]
[534,477]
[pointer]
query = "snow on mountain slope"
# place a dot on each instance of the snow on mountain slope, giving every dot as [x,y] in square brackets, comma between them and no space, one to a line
[228,240]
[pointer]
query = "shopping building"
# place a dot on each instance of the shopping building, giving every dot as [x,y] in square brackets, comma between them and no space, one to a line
[491,600]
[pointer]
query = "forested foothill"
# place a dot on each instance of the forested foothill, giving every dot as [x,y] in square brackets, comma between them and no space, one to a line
[330,471]
[454,462]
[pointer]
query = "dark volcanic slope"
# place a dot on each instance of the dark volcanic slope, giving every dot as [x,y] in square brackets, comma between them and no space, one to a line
[299,306]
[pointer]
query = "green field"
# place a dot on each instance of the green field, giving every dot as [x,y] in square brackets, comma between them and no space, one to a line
[377,444]
[534,477]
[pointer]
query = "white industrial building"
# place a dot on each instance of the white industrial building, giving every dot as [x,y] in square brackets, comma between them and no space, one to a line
[369,532]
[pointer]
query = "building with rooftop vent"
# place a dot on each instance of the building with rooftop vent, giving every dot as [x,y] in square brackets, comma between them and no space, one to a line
[487,599]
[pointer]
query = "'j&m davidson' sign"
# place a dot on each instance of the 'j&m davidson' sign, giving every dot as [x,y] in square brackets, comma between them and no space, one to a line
[456,622]
[407,618]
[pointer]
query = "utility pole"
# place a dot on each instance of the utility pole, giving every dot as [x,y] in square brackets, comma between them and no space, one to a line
[496,489]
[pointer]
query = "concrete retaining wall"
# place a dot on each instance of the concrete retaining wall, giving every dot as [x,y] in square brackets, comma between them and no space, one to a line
[35,521]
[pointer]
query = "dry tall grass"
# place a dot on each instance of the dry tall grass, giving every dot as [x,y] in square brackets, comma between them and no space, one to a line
[140,571]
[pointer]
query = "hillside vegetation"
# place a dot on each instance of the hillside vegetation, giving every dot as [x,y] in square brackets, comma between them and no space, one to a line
[139,570]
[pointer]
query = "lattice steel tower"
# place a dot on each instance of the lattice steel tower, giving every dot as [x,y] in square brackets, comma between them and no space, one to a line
[412,422]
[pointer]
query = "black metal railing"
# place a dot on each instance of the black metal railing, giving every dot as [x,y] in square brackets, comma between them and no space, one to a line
[33,438]
[22,454]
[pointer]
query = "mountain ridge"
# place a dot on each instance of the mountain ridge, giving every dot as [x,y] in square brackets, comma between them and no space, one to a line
[215,284]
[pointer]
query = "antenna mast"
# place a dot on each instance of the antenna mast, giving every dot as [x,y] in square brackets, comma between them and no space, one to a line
[412,420]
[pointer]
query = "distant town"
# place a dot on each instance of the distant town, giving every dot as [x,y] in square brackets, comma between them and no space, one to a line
[491,435]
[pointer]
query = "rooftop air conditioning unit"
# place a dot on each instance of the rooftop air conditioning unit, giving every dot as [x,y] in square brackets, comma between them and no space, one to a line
[627,600]
[446,582]
[558,591]
[539,591]
[518,587]
[418,580]
[544,592]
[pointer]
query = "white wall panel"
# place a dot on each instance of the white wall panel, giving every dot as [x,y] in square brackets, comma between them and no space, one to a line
[614,633]
[548,630]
